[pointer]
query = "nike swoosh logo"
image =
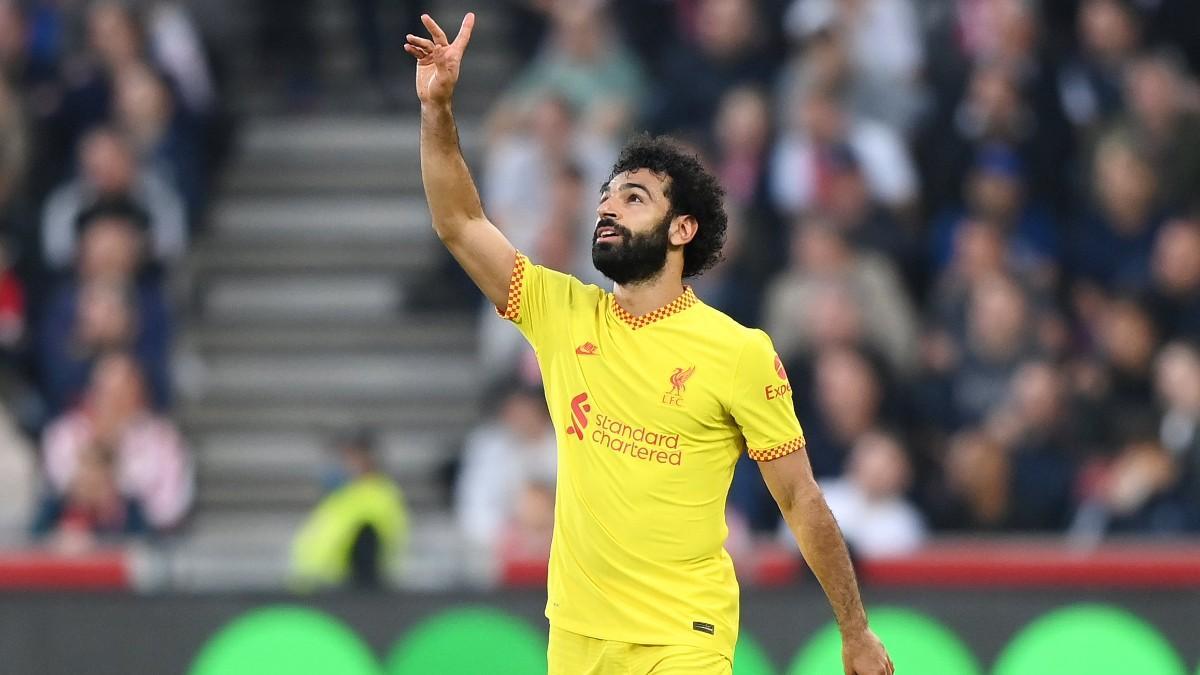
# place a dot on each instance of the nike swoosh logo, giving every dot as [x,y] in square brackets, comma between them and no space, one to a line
[587,349]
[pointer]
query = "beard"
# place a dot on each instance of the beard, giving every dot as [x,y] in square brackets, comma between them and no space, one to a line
[637,258]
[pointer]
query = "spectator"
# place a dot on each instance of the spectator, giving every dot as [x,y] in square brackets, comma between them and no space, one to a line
[108,170]
[995,191]
[1113,384]
[18,480]
[883,51]
[14,153]
[585,65]
[869,500]
[178,48]
[975,490]
[355,533]
[742,135]
[999,338]
[1090,83]
[148,454]
[863,220]
[114,41]
[161,135]
[724,52]
[821,256]
[22,65]
[105,308]
[1175,294]
[1034,428]
[1177,380]
[1112,242]
[996,110]
[1164,120]
[92,507]
[845,402]
[804,156]
[505,462]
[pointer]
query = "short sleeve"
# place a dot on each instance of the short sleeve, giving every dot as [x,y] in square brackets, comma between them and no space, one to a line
[539,298]
[761,402]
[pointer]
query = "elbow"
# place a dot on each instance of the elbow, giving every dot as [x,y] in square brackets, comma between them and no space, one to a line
[800,496]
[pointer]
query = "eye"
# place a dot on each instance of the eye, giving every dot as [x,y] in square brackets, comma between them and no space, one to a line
[634,198]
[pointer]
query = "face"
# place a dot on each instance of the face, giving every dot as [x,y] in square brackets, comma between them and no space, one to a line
[112,34]
[997,316]
[879,466]
[1128,336]
[1106,29]
[1177,257]
[116,388]
[1177,377]
[107,163]
[635,229]
[142,99]
[994,194]
[1124,185]
[110,249]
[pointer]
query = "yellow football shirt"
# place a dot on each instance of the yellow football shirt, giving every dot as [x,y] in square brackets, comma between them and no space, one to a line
[650,413]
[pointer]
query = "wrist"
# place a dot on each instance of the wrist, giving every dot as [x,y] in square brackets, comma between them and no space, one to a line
[853,628]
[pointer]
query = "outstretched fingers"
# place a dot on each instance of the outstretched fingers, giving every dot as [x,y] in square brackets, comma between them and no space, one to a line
[464,31]
[439,35]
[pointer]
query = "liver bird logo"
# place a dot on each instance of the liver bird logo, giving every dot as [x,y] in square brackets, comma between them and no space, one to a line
[679,380]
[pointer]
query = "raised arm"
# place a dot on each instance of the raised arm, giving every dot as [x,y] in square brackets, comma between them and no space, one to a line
[458,218]
[791,482]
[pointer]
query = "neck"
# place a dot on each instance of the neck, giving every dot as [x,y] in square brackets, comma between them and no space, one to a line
[646,296]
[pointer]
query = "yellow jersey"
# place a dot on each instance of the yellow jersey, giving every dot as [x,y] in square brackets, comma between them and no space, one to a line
[651,413]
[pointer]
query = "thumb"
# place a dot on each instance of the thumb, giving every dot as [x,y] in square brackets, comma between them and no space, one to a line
[464,32]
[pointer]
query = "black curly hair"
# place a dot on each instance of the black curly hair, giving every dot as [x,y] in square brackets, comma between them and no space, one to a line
[690,189]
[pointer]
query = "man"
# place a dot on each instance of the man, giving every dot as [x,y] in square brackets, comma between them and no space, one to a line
[653,396]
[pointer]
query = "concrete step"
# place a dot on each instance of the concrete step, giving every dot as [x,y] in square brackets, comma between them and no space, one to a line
[368,139]
[339,376]
[322,219]
[423,415]
[297,454]
[291,297]
[406,259]
[440,333]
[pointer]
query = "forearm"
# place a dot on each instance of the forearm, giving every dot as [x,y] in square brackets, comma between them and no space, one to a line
[449,189]
[821,542]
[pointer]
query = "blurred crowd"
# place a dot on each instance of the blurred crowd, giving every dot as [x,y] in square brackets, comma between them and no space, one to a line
[110,129]
[972,228]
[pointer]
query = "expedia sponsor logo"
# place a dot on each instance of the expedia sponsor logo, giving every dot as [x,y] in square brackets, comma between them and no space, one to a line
[774,391]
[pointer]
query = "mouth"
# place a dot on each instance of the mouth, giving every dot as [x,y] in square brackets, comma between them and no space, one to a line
[607,234]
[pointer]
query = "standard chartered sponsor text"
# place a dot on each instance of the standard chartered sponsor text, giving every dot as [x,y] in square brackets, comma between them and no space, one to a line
[637,442]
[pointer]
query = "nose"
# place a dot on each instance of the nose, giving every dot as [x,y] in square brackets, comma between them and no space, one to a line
[605,210]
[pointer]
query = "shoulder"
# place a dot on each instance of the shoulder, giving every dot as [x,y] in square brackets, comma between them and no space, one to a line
[720,326]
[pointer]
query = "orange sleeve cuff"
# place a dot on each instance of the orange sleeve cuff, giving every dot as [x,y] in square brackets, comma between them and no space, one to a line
[781,450]
[512,308]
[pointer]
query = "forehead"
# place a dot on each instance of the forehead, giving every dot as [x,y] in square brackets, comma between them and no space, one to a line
[654,182]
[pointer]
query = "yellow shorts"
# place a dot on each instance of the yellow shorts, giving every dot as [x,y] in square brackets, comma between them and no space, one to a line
[574,654]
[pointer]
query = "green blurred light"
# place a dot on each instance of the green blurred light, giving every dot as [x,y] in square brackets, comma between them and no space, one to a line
[750,659]
[918,645]
[285,640]
[469,641]
[1089,639]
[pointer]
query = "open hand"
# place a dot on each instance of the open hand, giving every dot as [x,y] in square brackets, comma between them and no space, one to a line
[438,59]
[863,654]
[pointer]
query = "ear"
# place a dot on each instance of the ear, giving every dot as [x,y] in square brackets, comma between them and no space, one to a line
[683,230]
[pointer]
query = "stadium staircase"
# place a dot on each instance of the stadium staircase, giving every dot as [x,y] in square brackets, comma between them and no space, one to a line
[301,319]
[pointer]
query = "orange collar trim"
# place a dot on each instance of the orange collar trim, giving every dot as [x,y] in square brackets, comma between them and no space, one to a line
[685,300]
